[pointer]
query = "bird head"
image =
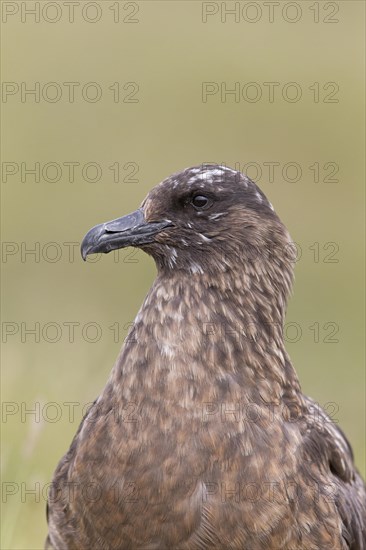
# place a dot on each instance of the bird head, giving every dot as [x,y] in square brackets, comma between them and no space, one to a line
[206,220]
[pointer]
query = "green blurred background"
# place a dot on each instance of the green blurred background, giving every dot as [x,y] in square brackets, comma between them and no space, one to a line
[167,51]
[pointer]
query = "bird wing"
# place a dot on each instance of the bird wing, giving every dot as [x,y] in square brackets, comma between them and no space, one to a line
[58,505]
[326,444]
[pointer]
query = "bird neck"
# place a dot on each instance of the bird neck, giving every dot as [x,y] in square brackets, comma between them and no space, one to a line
[202,332]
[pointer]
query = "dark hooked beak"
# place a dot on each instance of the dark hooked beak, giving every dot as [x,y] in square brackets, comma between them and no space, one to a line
[131,230]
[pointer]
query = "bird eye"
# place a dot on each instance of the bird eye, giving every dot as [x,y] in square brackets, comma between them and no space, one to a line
[200,202]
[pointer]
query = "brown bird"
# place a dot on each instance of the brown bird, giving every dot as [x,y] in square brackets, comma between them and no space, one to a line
[202,438]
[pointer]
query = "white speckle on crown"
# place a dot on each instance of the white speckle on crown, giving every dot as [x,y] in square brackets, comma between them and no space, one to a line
[259,196]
